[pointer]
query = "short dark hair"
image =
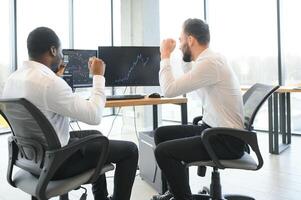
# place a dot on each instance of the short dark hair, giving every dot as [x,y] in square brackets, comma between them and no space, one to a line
[198,29]
[40,40]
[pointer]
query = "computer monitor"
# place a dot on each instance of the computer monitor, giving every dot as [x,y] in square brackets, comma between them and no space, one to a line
[131,66]
[77,72]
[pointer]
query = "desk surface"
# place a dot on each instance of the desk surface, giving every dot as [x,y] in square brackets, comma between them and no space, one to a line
[145,101]
[282,89]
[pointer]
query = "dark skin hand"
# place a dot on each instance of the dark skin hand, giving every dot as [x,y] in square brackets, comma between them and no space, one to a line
[60,69]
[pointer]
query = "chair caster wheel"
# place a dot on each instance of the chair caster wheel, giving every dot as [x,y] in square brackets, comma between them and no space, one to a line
[205,190]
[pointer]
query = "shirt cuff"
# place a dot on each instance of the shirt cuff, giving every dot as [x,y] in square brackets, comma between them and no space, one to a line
[99,81]
[165,63]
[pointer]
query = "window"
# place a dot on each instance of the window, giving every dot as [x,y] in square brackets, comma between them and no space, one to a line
[291,41]
[92,23]
[4,34]
[34,13]
[181,10]
[92,27]
[4,52]
[246,33]
[5,66]
[117,22]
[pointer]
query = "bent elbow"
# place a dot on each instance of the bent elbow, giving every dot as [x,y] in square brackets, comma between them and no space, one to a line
[97,118]
[169,89]
[96,121]
[169,93]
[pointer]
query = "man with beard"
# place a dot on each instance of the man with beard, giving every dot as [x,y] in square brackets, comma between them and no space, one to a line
[37,82]
[208,74]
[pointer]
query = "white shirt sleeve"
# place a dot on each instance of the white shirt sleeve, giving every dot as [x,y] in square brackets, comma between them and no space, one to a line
[60,99]
[202,73]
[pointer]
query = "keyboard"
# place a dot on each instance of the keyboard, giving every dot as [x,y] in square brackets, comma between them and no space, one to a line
[125,96]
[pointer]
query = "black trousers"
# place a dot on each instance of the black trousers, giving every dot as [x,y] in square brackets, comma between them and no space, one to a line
[183,143]
[122,153]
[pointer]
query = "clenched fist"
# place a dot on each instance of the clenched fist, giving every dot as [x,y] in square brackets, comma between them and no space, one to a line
[167,46]
[96,66]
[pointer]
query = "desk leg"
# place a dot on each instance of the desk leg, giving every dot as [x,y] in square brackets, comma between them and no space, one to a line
[288,117]
[276,131]
[155,116]
[282,116]
[184,117]
[285,125]
[280,103]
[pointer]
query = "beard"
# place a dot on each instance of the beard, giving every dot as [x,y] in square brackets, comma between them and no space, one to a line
[186,54]
[57,61]
[54,67]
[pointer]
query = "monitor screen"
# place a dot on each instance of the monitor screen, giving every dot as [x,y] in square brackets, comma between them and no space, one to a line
[77,71]
[131,66]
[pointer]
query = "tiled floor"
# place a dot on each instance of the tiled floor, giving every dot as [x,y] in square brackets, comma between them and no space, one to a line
[279,179]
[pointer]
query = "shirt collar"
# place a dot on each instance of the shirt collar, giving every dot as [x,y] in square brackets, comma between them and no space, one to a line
[203,54]
[37,65]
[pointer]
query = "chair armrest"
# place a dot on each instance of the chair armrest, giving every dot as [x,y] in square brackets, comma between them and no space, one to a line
[55,158]
[84,133]
[248,137]
[196,120]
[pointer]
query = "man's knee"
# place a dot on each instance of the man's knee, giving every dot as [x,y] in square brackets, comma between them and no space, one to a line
[160,152]
[157,134]
[132,149]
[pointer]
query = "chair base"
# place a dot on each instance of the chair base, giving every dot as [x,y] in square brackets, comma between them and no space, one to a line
[62,197]
[215,191]
[226,197]
[237,197]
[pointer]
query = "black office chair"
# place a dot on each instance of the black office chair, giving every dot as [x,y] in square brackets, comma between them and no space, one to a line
[253,99]
[34,147]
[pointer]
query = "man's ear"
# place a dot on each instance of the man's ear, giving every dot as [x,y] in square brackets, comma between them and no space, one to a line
[53,51]
[190,40]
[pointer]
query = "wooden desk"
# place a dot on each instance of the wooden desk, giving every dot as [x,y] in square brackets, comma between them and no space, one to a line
[182,101]
[279,112]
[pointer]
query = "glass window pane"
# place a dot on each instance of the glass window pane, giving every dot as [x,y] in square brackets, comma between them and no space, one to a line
[4,52]
[4,41]
[291,43]
[171,21]
[246,33]
[117,22]
[92,24]
[4,33]
[291,40]
[34,13]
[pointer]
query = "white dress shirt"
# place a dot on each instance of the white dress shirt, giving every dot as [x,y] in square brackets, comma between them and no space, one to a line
[214,82]
[53,96]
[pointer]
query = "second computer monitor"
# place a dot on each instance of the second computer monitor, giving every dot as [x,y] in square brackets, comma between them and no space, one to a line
[131,66]
[77,70]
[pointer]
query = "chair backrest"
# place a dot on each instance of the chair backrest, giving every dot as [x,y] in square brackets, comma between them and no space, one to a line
[253,99]
[32,132]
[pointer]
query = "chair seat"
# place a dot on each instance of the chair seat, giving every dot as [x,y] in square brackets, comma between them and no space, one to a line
[245,162]
[28,183]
